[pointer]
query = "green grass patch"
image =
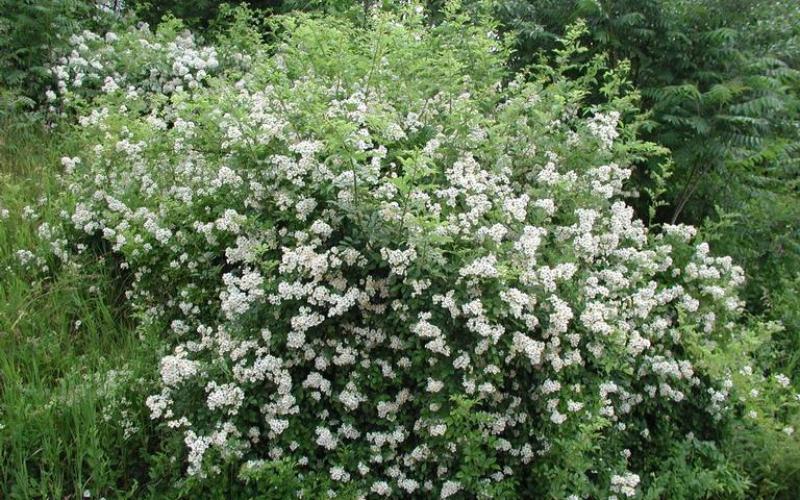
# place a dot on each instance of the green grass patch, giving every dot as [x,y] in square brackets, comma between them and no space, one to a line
[66,348]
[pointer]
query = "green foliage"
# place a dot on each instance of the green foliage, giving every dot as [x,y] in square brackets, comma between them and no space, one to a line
[196,13]
[31,31]
[467,425]
[773,28]
[271,479]
[69,362]
[717,78]
[761,439]
[697,469]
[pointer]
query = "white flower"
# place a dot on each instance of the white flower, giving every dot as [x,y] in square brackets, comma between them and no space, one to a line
[227,396]
[533,349]
[339,474]
[625,484]
[517,207]
[782,380]
[326,439]
[604,127]
[438,430]
[557,418]
[176,369]
[481,267]
[399,260]
[450,488]
[434,385]
[109,85]
[381,488]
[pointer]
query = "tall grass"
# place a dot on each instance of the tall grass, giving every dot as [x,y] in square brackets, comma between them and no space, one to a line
[59,337]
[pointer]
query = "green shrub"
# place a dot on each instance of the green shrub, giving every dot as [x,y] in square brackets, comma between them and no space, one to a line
[377,263]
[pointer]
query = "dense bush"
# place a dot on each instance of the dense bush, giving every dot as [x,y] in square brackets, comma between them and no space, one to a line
[381,265]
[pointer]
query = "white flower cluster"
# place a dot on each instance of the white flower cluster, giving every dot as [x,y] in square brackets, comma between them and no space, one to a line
[604,127]
[98,64]
[625,484]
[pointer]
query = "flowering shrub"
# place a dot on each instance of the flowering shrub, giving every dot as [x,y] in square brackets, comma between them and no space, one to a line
[137,60]
[383,269]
